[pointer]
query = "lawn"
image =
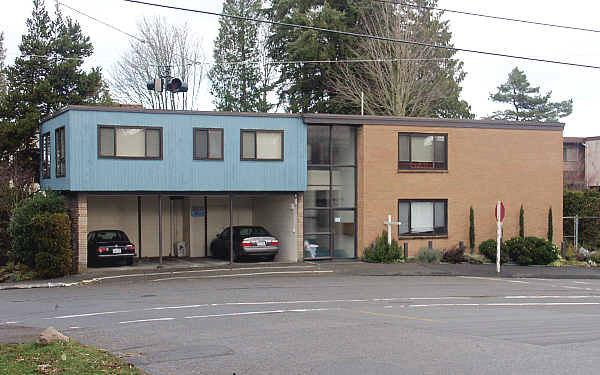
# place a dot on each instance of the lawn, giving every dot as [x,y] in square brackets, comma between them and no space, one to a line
[63,358]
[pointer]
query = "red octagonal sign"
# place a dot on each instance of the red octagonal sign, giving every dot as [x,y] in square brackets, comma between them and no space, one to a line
[499,211]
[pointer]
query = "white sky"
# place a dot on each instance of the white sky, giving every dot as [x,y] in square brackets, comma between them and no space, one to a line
[484,73]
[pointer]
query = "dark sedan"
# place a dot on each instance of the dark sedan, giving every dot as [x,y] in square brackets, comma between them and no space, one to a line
[109,244]
[248,241]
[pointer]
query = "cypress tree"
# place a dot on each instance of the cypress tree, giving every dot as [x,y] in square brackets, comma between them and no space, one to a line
[522,222]
[235,76]
[471,228]
[550,225]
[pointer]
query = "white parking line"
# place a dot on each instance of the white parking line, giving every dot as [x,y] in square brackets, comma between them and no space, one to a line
[507,304]
[255,313]
[146,320]
[90,314]
[242,274]
[494,279]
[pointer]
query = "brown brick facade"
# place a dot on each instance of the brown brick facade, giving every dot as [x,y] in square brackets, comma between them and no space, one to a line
[484,165]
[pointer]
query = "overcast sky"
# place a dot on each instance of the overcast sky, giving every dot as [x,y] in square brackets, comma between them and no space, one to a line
[484,73]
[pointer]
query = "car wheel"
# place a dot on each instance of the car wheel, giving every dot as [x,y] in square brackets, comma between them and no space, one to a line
[129,261]
[270,258]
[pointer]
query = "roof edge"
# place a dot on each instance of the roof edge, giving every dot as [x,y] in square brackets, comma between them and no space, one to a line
[429,122]
[337,119]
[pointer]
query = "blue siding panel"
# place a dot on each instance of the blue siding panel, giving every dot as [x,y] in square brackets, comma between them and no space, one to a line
[177,171]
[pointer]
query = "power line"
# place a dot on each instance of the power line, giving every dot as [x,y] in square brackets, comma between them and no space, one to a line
[102,22]
[358,35]
[487,16]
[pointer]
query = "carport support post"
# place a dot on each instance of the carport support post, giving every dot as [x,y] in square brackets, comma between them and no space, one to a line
[160,250]
[230,228]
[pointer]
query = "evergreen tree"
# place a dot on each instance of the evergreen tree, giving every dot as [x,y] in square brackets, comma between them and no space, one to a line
[236,75]
[522,222]
[45,77]
[526,102]
[550,225]
[305,87]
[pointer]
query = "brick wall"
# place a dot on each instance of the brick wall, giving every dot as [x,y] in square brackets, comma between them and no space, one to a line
[79,229]
[484,165]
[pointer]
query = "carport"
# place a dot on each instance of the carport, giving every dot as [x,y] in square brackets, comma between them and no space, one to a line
[183,225]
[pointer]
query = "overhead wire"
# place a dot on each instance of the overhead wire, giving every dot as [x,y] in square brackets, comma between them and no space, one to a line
[102,22]
[487,16]
[367,36]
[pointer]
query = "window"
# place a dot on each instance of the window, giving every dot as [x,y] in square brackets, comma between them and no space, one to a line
[59,150]
[262,144]
[422,151]
[129,142]
[208,144]
[570,153]
[46,155]
[422,217]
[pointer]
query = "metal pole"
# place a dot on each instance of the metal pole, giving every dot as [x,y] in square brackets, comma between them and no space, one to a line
[160,249]
[139,202]
[205,227]
[230,228]
[576,224]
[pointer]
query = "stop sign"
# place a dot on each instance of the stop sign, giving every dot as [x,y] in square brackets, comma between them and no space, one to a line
[499,212]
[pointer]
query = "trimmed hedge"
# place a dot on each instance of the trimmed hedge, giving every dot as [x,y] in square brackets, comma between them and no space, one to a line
[523,251]
[488,249]
[381,251]
[52,238]
[20,228]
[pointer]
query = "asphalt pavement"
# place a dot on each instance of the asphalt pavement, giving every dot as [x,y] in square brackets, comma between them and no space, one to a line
[351,319]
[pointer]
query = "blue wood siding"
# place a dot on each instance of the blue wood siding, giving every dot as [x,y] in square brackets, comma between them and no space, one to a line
[177,171]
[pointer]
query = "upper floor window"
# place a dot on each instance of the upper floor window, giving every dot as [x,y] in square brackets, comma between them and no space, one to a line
[59,151]
[129,142]
[262,144]
[208,144]
[570,153]
[422,151]
[422,217]
[46,160]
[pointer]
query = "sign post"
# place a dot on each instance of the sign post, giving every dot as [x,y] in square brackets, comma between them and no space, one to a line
[499,217]
[389,224]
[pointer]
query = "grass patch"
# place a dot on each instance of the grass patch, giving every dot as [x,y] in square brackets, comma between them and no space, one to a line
[65,358]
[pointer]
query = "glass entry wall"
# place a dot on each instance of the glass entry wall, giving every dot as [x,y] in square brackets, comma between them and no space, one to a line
[330,199]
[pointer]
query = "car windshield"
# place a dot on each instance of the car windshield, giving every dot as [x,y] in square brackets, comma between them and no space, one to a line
[252,232]
[111,235]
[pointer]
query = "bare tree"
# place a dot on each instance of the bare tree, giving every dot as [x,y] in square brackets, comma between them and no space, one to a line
[402,79]
[160,48]
[2,67]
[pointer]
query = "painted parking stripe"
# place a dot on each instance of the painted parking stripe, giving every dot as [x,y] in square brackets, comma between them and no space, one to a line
[257,313]
[147,320]
[243,274]
[500,304]
[494,279]
[266,303]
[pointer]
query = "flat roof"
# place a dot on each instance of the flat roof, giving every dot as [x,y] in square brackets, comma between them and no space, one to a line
[338,119]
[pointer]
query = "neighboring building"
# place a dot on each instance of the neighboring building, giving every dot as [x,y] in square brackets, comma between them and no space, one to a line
[323,184]
[581,160]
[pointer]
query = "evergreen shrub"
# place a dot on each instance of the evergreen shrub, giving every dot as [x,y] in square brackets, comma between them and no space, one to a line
[52,240]
[381,252]
[20,226]
[428,255]
[454,255]
[488,249]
